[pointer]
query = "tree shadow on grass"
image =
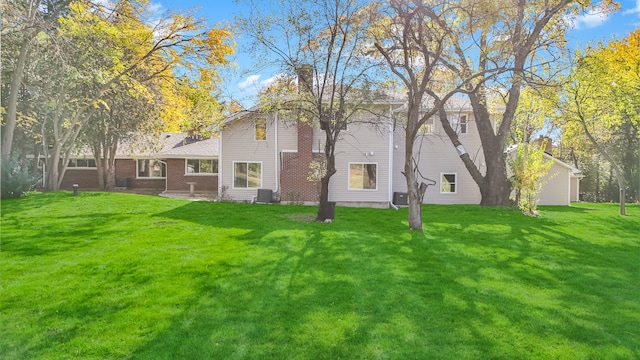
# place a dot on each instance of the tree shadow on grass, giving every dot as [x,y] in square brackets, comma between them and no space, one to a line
[500,287]
[545,284]
[262,282]
[57,233]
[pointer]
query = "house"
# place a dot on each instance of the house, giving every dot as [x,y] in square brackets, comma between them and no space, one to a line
[172,162]
[267,151]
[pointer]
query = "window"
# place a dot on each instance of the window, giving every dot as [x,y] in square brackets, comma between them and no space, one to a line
[459,123]
[363,176]
[82,163]
[151,168]
[448,184]
[261,129]
[427,128]
[247,174]
[201,166]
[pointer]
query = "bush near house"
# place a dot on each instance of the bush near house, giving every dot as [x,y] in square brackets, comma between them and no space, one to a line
[104,275]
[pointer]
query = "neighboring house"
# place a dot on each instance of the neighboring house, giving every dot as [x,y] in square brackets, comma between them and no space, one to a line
[266,151]
[167,164]
[561,184]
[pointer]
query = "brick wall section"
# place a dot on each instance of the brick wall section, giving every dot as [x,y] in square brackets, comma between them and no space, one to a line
[85,178]
[127,168]
[294,185]
[177,180]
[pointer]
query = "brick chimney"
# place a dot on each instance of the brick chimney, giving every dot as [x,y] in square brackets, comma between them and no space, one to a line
[294,185]
[548,144]
[305,131]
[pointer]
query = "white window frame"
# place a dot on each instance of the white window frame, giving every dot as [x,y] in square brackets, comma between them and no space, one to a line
[150,177]
[255,129]
[186,167]
[233,176]
[456,123]
[361,163]
[81,167]
[430,127]
[455,182]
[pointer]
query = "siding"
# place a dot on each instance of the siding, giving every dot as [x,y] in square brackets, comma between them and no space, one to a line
[362,143]
[437,155]
[556,189]
[238,144]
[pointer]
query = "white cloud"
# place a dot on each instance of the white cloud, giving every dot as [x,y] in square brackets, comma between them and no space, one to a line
[269,81]
[635,10]
[590,20]
[251,80]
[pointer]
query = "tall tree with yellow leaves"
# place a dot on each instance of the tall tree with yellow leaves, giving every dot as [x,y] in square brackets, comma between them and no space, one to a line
[602,96]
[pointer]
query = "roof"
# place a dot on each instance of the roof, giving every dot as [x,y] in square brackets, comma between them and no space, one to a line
[574,170]
[182,145]
[455,103]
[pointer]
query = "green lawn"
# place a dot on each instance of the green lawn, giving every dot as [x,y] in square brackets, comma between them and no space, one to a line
[140,277]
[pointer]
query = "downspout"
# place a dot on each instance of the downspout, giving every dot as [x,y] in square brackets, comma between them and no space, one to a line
[220,163]
[166,176]
[277,168]
[391,162]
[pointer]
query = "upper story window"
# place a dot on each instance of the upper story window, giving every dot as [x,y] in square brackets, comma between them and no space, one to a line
[149,168]
[201,166]
[82,163]
[363,176]
[459,123]
[427,128]
[261,129]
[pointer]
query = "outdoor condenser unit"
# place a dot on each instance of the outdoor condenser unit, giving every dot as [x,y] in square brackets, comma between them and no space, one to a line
[400,198]
[264,195]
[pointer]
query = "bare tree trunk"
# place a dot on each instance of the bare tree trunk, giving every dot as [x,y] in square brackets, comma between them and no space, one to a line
[414,195]
[12,101]
[110,158]
[614,165]
[324,207]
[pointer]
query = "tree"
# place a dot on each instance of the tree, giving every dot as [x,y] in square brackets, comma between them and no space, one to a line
[22,21]
[601,99]
[98,51]
[322,41]
[506,45]
[414,49]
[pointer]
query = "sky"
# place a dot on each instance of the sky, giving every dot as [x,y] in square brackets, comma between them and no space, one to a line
[244,82]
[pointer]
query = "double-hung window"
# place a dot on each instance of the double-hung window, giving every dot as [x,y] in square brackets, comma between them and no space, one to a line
[448,183]
[459,123]
[260,128]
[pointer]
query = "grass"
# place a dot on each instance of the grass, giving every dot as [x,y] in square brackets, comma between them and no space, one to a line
[123,276]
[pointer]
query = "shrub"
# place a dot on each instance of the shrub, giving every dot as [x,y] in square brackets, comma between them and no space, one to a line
[17,179]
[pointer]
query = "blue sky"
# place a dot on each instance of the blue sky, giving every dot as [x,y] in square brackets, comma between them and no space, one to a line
[243,83]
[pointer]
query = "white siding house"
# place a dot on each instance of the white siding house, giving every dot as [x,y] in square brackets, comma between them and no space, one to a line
[259,151]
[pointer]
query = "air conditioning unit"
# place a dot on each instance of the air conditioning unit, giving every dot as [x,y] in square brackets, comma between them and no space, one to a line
[400,198]
[264,195]
[121,182]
